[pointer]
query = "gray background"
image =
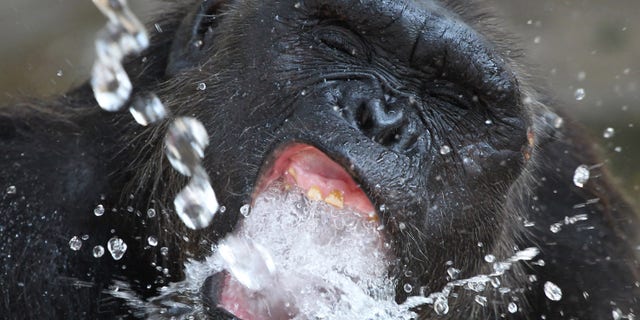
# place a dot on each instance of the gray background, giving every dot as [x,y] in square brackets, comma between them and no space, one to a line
[47,48]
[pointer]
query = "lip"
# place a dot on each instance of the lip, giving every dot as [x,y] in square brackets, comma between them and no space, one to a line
[318,175]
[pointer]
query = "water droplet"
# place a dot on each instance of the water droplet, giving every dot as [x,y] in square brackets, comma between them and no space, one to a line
[151,213]
[453,273]
[402,225]
[152,241]
[617,149]
[580,94]
[407,288]
[582,75]
[537,40]
[533,278]
[75,243]
[196,204]
[581,176]
[98,211]
[98,251]
[122,18]
[513,308]
[552,291]
[59,73]
[490,258]
[164,251]
[245,210]
[202,86]
[85,237]
[441,305]
[12,190]
[556,227]
[609,133]
[117,247]
[444,150]
[111,85]
[481,300]
[185,143]
[147,109]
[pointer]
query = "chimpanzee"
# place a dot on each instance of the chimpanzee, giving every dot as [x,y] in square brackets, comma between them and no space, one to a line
[416,115]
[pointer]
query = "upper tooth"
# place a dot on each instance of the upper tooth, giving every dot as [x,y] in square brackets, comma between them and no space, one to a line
[314,193]
[335,198]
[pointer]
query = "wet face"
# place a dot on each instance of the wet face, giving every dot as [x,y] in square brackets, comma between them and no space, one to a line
[397,112]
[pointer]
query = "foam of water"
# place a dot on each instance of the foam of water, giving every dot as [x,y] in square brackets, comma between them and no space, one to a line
[319,261]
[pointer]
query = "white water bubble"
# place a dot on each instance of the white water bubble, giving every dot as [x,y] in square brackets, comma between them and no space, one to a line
[580,94]
[490,258]
[151,213]
[552,291]
[407,288]
[117,247]
[441,306]
[444,150]
[98,251]
[147,108]
[185,143]
[164,251]
[152,241]
[202,86]
[513,307]
[111,85]
[581,176]
[12,190]
[196,204]
[98,211]
[245,210]
[609,133]
[481,300]
[75,243]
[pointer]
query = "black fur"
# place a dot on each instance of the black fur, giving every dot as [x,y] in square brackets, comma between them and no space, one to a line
[264,63]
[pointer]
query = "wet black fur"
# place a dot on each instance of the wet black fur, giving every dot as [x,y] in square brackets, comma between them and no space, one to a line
[65,156]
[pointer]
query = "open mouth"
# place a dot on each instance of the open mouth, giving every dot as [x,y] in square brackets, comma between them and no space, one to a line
[311,247]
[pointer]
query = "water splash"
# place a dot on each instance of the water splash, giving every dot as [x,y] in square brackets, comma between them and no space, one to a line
[186,140]
[196,204]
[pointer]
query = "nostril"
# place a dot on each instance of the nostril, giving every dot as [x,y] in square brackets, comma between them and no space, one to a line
[365,117]
[380,124]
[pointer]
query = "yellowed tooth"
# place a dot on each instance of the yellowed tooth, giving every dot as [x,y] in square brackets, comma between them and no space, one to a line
[314,193]
[335,198]
[373,216]
[293,173]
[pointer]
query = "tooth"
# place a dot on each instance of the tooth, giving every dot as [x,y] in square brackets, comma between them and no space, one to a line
[314,193]
[293,173]
[335,198]
[373,216]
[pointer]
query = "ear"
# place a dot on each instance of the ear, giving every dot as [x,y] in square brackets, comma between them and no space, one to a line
[195,35]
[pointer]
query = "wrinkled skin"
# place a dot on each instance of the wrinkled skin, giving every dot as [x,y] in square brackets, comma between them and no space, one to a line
[380,87]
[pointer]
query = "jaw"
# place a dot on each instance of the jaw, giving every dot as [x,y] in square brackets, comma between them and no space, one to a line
[311,244]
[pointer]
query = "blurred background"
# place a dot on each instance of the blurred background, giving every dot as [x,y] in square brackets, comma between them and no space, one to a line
[590,45]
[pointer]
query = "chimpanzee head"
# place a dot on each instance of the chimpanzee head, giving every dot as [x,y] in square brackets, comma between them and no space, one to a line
[398,112]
